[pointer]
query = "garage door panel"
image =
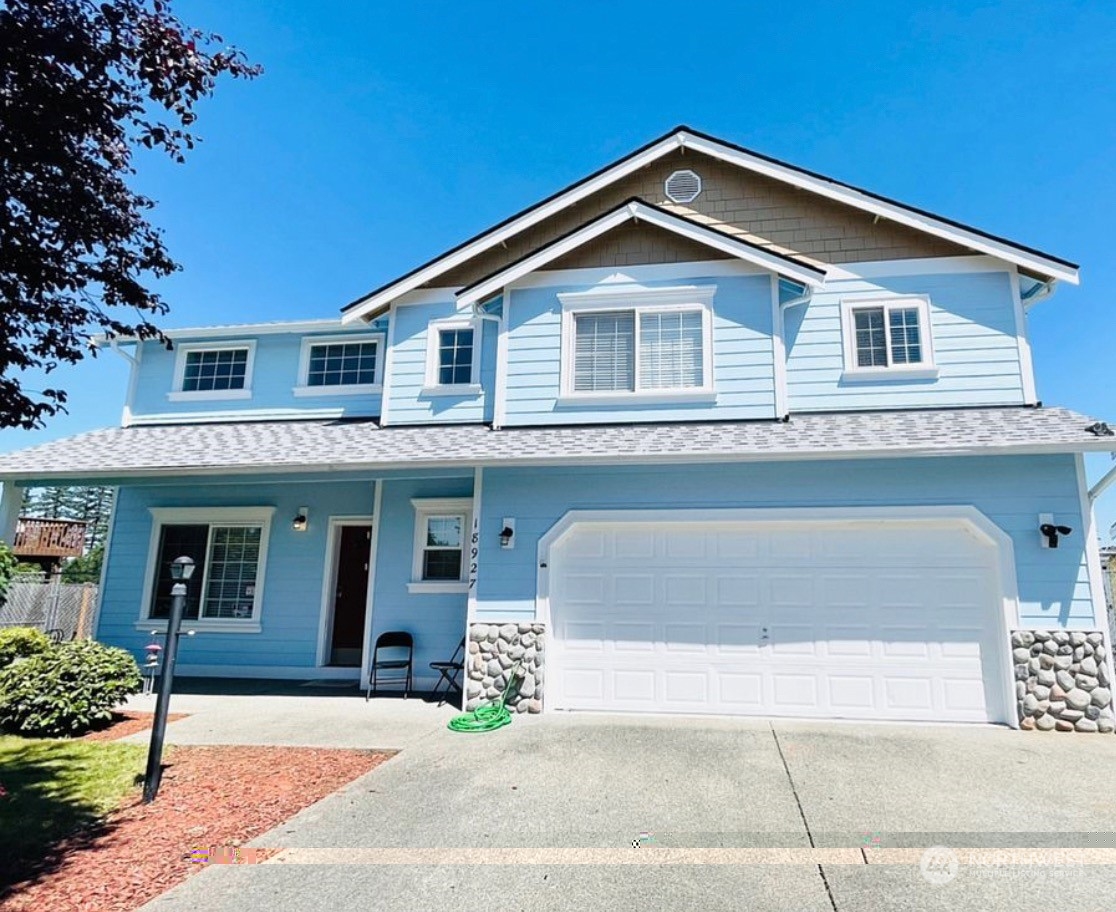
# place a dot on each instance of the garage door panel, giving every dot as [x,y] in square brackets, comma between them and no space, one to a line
[740,692]
[632,636]
[686,687]
[736,640]
[794,691]
[737,590]
[633,589]
[845,621]
[686,638]
[634,686]
[685,590]
[851,693]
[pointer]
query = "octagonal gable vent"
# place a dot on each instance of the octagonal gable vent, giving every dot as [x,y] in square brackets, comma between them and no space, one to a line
[682,187]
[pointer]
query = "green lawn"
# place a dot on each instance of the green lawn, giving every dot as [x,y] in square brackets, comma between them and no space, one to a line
[54,788]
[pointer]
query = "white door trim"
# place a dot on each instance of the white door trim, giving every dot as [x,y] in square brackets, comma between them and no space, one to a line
[921,516]
[329,581]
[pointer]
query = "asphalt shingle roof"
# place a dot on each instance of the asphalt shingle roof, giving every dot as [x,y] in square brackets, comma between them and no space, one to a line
[279,446]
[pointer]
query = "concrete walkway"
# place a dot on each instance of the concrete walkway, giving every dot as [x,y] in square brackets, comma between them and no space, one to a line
[431,829]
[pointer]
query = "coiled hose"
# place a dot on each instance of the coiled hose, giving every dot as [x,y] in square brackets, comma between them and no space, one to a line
[490,716]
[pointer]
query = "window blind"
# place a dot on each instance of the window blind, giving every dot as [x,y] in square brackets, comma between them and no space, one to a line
[604,352]
[670,350]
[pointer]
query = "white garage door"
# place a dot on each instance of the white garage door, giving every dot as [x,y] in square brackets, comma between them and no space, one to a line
[868,620]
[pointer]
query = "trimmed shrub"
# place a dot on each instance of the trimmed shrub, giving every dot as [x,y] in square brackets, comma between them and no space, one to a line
[67,690]
[20,642]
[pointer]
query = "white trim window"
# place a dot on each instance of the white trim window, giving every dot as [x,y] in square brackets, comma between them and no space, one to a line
[213,370]
[453,357]
[340,365]
[887,338]
[229,548]
[441,547]
[631,345]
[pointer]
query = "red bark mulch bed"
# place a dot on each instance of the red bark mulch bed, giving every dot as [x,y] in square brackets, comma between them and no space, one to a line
[211,800]
[127,723]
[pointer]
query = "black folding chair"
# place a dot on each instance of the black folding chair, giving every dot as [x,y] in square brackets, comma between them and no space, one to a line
[393,669]
[449,673]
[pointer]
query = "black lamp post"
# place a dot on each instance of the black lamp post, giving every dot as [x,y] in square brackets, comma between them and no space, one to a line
[181,570]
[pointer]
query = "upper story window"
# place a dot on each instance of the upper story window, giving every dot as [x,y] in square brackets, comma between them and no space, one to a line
[452,357]
[213,370]
[887,338]
[340,365]
[647,344]
[444,547]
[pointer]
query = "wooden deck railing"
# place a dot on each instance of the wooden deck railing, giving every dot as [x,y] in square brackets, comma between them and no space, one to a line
[49,537]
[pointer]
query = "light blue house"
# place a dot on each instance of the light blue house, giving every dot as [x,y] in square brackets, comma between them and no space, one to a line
[701,433]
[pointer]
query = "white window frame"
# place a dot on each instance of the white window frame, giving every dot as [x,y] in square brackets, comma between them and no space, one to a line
[925,370]
[182,349]
[348,389]
[211,516]
[425,508]
[434,332]
[639,301]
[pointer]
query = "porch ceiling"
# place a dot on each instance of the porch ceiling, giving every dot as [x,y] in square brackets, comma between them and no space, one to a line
[291,446]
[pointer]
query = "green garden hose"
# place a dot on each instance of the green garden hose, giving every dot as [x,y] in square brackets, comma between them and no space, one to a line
[490,716]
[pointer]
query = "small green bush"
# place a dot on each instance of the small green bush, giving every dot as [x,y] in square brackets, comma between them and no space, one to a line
[67,690]
[20,642]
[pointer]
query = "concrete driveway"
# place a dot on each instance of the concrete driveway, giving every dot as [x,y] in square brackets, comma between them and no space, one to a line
[543,814]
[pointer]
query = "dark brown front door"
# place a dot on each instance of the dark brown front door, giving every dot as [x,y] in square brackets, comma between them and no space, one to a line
[351,595]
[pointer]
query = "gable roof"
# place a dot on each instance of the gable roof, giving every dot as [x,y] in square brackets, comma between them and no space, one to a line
[639,210]
[683,137]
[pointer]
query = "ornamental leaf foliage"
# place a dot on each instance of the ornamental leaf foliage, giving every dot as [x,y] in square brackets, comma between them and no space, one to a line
[84,86]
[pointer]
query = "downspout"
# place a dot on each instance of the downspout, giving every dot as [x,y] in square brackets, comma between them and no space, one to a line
[1103,485]
[480,314]
[784,306]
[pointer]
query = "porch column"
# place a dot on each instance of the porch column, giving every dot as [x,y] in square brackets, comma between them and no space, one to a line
[10,500]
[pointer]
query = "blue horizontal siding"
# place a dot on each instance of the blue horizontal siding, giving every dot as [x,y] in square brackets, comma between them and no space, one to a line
[296,561]
[274,377]
[743,365]
[1011,491]
[973,326]
[407,403]
[290,610]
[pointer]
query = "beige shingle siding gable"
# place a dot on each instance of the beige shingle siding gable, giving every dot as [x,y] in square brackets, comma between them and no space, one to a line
[633,245]
[759,209]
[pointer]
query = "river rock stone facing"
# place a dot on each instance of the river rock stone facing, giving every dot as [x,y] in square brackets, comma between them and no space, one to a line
[1062,681]
[493,651]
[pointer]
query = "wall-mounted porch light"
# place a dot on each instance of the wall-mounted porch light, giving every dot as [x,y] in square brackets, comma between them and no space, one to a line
[302,520]
[507,533]
[1049,531]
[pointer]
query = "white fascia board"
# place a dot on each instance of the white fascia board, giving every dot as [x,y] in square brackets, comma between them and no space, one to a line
[890,211]
[230,329]
[651,216]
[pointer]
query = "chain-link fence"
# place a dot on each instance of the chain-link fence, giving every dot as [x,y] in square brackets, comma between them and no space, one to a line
[62,610]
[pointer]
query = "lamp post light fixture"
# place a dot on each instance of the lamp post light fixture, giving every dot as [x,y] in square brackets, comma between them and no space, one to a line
[182,568]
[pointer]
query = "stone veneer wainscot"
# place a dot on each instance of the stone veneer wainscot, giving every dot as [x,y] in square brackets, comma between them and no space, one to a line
[494,649]
[1061,680]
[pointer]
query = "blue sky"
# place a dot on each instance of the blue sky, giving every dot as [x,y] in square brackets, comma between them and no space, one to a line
[381,134]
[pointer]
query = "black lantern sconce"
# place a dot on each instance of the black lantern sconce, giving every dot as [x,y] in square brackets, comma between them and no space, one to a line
[507,534]
[302,520]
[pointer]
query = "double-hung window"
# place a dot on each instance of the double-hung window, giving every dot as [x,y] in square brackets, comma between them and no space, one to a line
[340,365]
[229,550]
[452,357]
[887,337]
[444,549]
[213,370]
[645,344]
